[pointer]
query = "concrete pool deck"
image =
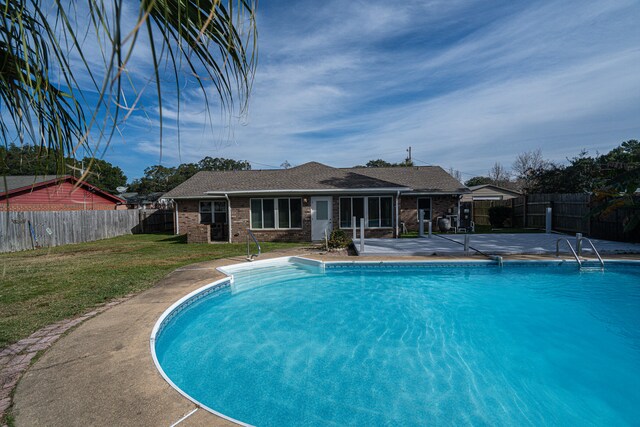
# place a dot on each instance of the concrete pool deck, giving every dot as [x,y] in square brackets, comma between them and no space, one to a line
[102,372]
[491,244]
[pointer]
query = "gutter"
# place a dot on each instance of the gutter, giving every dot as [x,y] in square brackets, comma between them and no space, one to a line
[298,191]
[228,216]
[397,214]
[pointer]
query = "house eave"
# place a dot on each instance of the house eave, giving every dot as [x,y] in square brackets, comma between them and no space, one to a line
[309,191]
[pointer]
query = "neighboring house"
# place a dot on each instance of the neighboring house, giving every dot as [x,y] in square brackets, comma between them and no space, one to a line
[301,203]
[53,193]
[489,192]
[149,201]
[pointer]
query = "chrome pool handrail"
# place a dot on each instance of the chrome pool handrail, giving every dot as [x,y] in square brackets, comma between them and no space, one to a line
[570,248]
[595,251]
[251,256]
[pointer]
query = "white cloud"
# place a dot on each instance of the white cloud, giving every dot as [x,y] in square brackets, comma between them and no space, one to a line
[464,85]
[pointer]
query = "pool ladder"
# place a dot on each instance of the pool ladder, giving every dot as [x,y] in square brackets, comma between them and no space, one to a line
[250,237]
[579,253]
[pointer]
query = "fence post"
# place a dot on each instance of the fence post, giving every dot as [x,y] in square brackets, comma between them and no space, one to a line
[466,244]
[430,227]
[421,223]
[547,224]
[361,235]
[524,211]
[579,243]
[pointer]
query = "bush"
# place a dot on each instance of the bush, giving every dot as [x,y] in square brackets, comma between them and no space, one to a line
[339,239]
[498,215]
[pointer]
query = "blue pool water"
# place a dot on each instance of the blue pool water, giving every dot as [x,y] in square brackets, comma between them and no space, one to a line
[411,346]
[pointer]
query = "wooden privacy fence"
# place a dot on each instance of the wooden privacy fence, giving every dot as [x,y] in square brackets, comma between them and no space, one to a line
[571,213]
[28,230]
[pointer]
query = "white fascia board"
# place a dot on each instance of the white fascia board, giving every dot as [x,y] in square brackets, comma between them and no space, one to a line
[432,193]
[310,191]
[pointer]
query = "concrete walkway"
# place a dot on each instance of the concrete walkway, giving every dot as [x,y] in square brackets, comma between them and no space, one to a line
[492,244]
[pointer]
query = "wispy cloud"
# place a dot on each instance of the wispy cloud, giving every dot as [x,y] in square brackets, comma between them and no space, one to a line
[463,84]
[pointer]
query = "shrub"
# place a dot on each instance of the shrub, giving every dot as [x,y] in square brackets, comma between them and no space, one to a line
[339,239]
[498,215]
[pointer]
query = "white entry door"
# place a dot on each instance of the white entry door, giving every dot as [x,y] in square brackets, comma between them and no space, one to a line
[321,213]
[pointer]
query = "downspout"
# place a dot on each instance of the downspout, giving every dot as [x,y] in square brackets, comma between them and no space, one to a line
[226,196]
[176,217]
[398,214]
[459,213]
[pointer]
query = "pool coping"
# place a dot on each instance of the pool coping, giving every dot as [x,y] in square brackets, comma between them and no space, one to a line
[229,271]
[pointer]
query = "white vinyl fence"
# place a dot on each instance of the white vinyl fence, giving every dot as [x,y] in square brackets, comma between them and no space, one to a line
[29,230]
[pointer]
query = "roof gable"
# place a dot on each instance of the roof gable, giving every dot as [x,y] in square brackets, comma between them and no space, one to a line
[26,183]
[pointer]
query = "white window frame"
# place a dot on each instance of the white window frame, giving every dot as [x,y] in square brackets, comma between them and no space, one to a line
[200,211]
[212,212]
[366,212]
[276,208]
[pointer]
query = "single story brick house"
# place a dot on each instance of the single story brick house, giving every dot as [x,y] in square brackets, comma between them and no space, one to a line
[53,193]
[301,203]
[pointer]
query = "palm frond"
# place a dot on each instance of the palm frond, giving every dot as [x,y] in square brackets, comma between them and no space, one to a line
[46,70]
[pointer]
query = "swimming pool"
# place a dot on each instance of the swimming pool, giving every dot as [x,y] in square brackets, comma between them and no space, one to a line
[410,344]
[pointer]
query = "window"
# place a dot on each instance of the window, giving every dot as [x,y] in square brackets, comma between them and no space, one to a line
[213,212]
[276,213]
[378,212]
[220,212]
[205,212]
[322,210]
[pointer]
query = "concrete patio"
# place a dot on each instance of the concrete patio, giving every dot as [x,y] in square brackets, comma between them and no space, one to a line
[490,244]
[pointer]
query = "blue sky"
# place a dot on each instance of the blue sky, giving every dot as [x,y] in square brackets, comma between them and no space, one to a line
[465,84]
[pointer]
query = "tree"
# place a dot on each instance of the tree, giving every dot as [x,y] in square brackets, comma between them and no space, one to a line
[478,180]
[26,160]
[379,163]
[498,174]
[222,164]
[45,65]
[525,166]
[160,179]
[456,174]
[103,174]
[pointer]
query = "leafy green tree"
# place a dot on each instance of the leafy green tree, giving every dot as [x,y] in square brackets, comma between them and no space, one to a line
[27,160]
[222,164]
[162,179]
[379,163]
[45,65]
[478,180]
[103,174]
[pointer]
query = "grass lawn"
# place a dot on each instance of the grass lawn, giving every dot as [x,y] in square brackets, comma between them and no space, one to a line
[46,285]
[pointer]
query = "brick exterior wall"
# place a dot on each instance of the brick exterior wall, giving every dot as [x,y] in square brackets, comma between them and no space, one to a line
[241,221]
[440,206]
[199,233]
[189,219]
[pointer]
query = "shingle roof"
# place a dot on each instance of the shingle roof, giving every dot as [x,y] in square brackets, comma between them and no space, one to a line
[14,181]
[316,176]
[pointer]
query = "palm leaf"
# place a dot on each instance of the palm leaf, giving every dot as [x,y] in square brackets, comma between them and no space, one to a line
[42,101]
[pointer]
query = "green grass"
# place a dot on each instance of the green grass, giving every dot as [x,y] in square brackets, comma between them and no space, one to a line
[40,287]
